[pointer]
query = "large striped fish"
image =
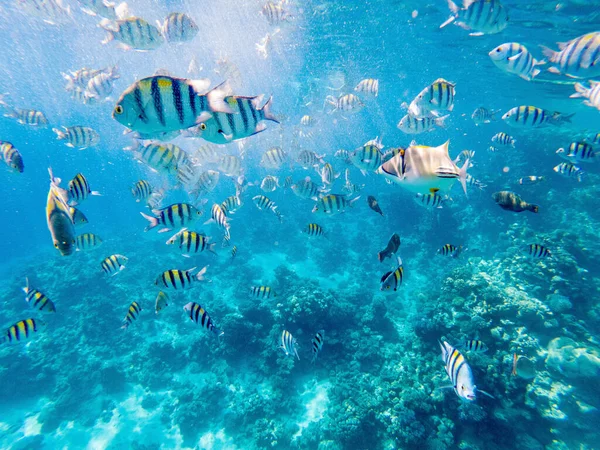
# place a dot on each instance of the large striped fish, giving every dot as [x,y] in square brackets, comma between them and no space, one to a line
[460,373]
[160,104]
[483,16]
[425,170]
[59,219]
[578,58]
[21,331]
[435,99]
[133,33]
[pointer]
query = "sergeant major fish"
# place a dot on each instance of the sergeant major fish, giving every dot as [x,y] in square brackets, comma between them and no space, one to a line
[191,242]
[534,117]
[288,344]
[12,157]
[179,279]
[199,315]
[538,251]
[132,314]
[483,115]
[514,58]
[367,158]
[393,278]
[113,264]
[263,203]
[79,190]
[87,241]
[317,344]
[178,27]
[21,331]
[434,99]
[591,94]
[369,85]
[333,204]
[176,215]
[570,171]
[578,58]
[482,16]
[417,125]
[578,152]
[133,33]
[37,299]
[78,137]
[262,292]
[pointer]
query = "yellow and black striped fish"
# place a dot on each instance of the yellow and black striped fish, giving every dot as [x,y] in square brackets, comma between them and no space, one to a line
[273,158]
[533,117]
[234,250]
[163,158]
[482,16]
[30,117]
[288,344]
[77,216]
[450,250]
[317,344]
[577,58]
[176,215]
[275,13]
[314,229]
[79,190]
[538,251]
[162,300]
[230,165]
[393,279]
[199,315]
[87,241]
[141,190]
[231,204]
[59,219]
[132,314]
[474,345]
[217,215]
[307,189]
[22,330]
[263,203]
[262,292]
[11,157]
[191,242]
[179,279]
[133,32]
[38,300]
[435,98]
[333,204]
[369,85]
[179,27]
[113,264]
[78,136]
[459,372]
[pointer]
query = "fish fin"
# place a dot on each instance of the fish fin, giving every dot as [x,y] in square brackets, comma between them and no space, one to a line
[549,53]
[153,221]
[440,121]
[462,176]
[59,134]
[26,288]
[434,190]
[351,202]
[517,56]
[539,63]
[266,109]
[478,33]
[122,11]
[200,85]
[110,26]
[448,22]
[486,393]
[211,248]
[96,193]
[216,98]
[385,275]
[200,275]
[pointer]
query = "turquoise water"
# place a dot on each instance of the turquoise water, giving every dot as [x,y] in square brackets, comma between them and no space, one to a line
[166,382]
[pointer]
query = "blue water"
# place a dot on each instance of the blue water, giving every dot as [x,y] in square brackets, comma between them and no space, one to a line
[165,382]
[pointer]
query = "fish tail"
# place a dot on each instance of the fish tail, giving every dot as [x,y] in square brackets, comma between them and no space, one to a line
[153,221]
[96,193]
[582,91]
[549,53]
[462,175]
[454,9]
[266,110]
[535,73]
[59,134]
[441,121]
[532,208]
[200,275]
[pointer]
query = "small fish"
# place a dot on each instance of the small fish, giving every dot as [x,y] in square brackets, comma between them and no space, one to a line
[133,33]
[21,331]
[577,58]
[434,99]
[309,159]
[199,315]
[273,158]
[307,121]
[98,7]
[29,117]
[79,190]
[314,229]
[328,174]
[87,241]
[307,189]
[459,372]
[483,115]
[12,157]
[263,203]
[472,181]
[132,314]
[367,158]
[162,158]
[351,188]
[532,179]
[348,103]
[82,96]
[162,301]
[207,182]
[275,12]
[206,154]
[218,216]
[142,190]
[100,86]
[77,216]
[474,345]
[343,154]
[288,182]
[578,152]
[269,183]
[191,242]
[333,204]
[369,85]
[504,139]
[230,165]
[510,201]
[450,250]
[392,248]
[393,278]
[374,205]
[570,171]
[493,149]
[431,200]
[234,250]
[262,292]
[538,251]
[391,153]
[523,367]
[417,125]
[514,58]
[591,94]
[179,279]
[533,117]
[178,27]
[58,217]
[482,16]
[113,264]
[78,137]
[176,215]
[37,299]
[317,344]
[231,204]
[288,344]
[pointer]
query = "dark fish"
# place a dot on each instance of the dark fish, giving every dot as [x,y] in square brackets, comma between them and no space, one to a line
[374,205]
[317,344]
[512,202]
[392,247]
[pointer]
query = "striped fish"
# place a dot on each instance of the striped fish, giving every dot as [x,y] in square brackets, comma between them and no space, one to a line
[309,159]
[230,165]
[29,117]
[78,137]
[132,314]
[159,104]
[58,217]
[514,58]
[509,201]
[206,154]
[98,7]
[179,279]
[179,27]
[163,158]
[77,216]
[533,117]
[263,203]
[53,12]
[314,229]
[176,215]
[333,204]
[348,103]
[504,139]
[269,183]
[132,32]
[472,181]
[81,96]
[162,301]
[12,157]
[218,216]
[79,190]
[532,179]
[191,242]
[207,182]
[432,200]
[37,299]
[393,279]
[328,174]
[273,158]
[538,251]
[459,372]
[87,241]
[591,94]
[80,78]
[450,250]
[570,171]
[317,344]
[288,182]
[288,344]
[369,85]
[434,99]
[391,153]
[343,155]
[141,190]
[474,345]
[113,264]
[231,204]
[578,152]
[262,292]
[367,158]
[349,187]
[578,58]
[417,125]
[482,16]
[101,86]
[275,12]
[199,315]
[483,115]
[596,139]
[21,331]
[233,251]
[307,121]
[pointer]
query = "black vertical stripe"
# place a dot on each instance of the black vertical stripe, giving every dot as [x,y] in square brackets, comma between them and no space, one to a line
[243,113]
[156,97]
[137,96]
[176,87]
[192,97]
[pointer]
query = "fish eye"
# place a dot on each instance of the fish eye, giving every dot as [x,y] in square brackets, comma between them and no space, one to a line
[118,109]
[56,245]
[498,50]
[462,386]
[203,126]
[387,287]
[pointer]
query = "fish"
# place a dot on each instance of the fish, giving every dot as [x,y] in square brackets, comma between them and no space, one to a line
[328,174]
[434,99]
[162,301]
[393,278]
[510,201]
[333,204]
[87,241]
[78,137]
[514,58]
[288,182]
[113,264]
[191,242]
[578,152]
[179,279]
[481,16]
[218,216]
[53,12]
[472,181]
[349,187]
[141,190]
[231,204]
[307,121]
[37,299]
[343,154]
[233,251]
[450,250]
[79,190]
[532,179]
[132,314]
[460,373]
[273,158]
[538,251]
[368,85]
[21,331]
[309,159]
[577,58]
[523,367]
[29,117]
[59,219]
[425,169]
[269,183]
[82,96]
[431,200]
[262,292]
[275,13]
[177,215]
[483,115]
[504,139]
[199,315]
[392,248]
[77,216]
[100,86]
[206,154]
[178,27]
[374,205]
[348,103]
[230,165]
[101,8]
[163,157]
[263,203]
[417,125]
[12,157]
[570,171]
[317,344]
[474,345]
[391,153]
[533,117]
[80,78]
[207,182]
[132,33]
[493,149]
[314,229]
[288,344]
[591,94]
[367,158]
[159,104]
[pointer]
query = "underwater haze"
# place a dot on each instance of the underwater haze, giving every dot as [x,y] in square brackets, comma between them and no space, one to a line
[277,224]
